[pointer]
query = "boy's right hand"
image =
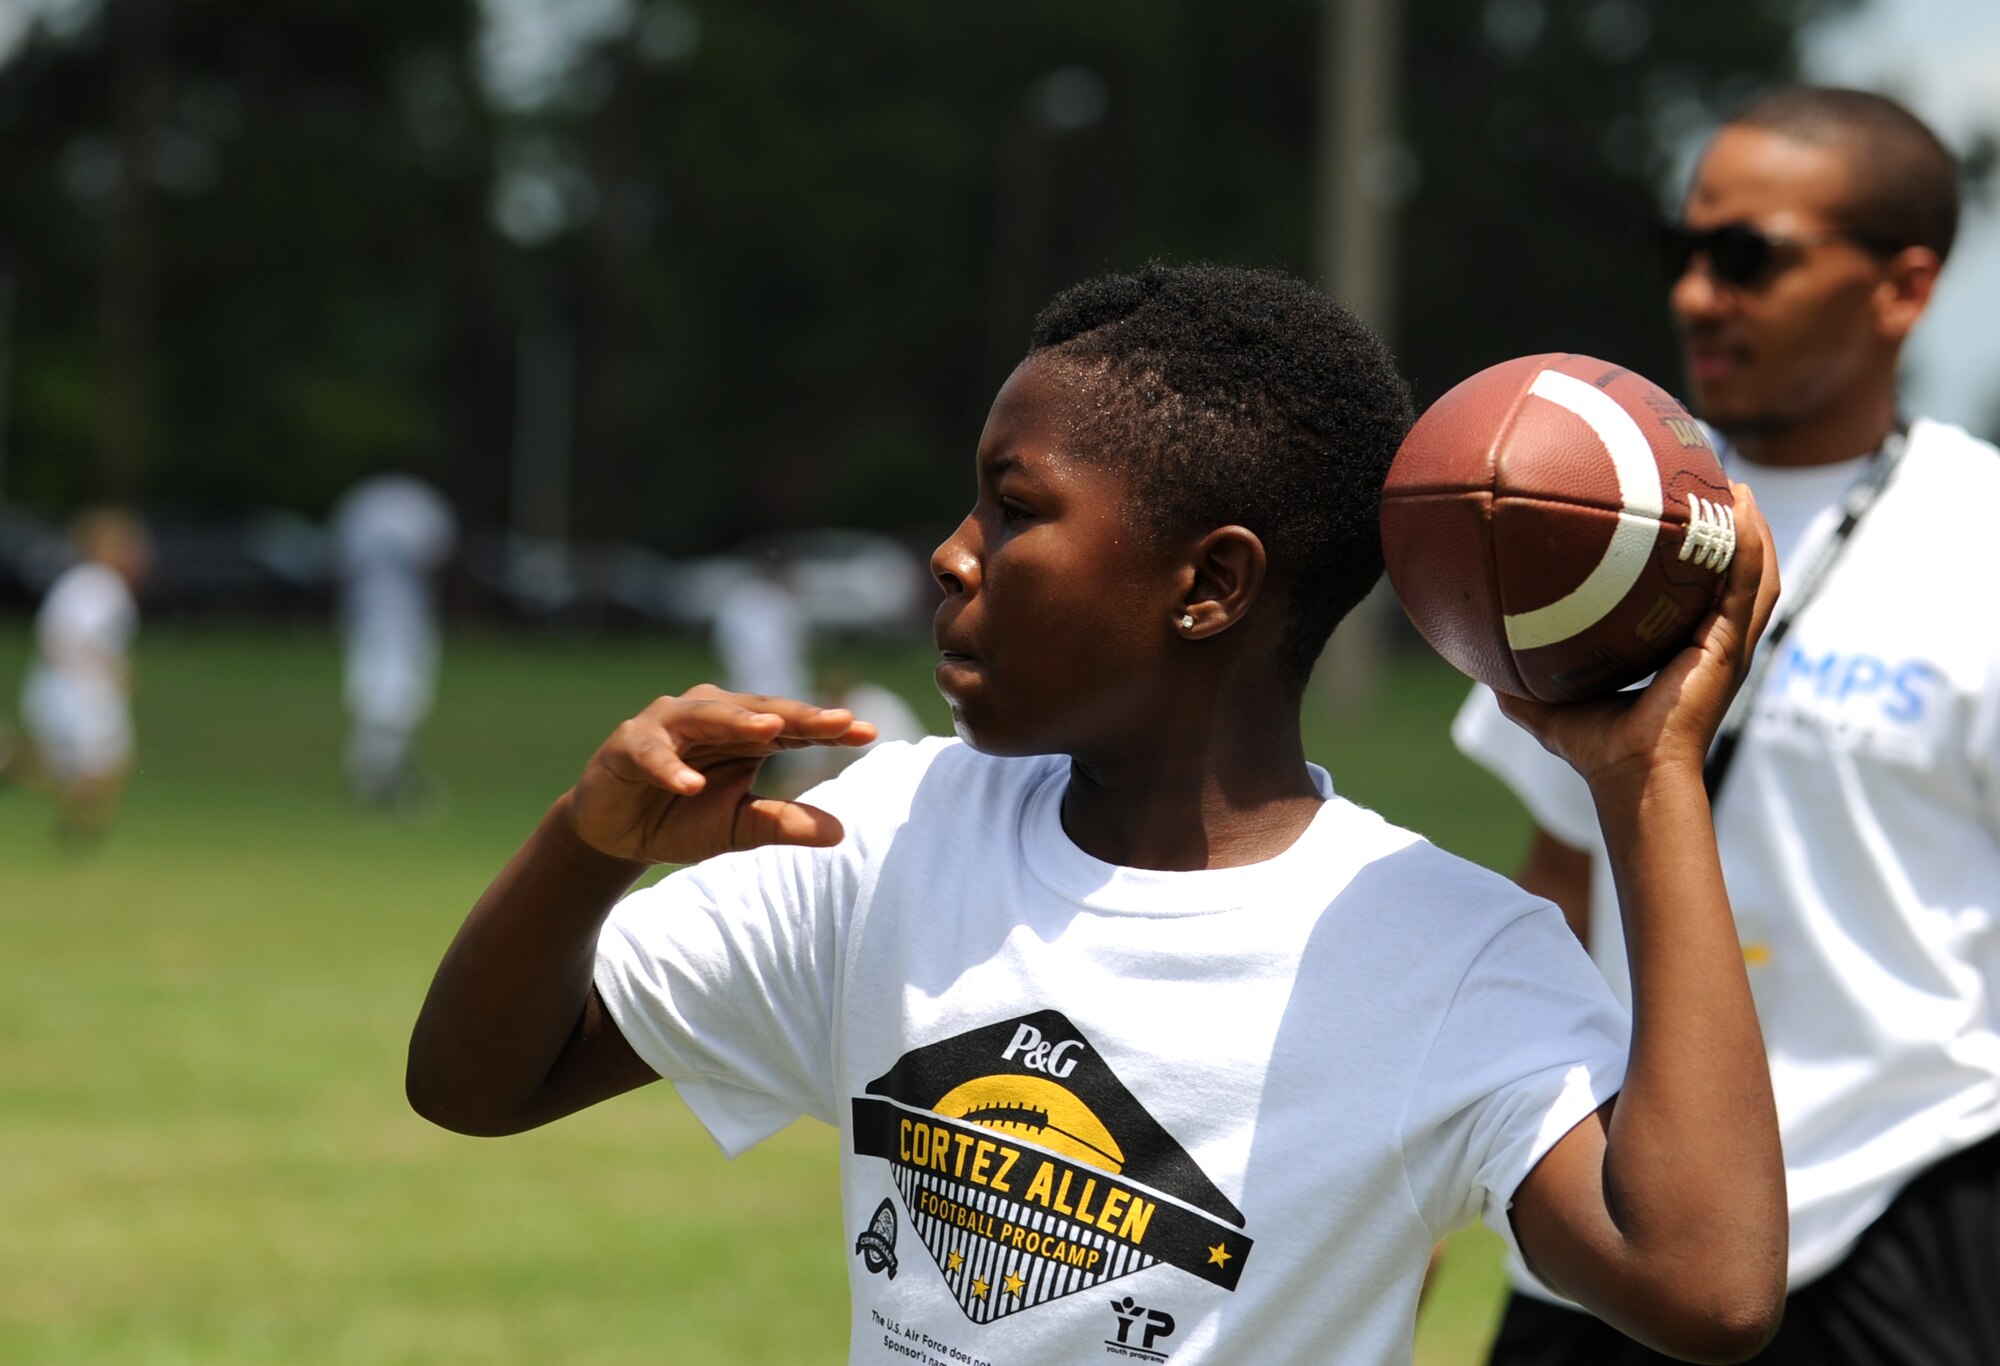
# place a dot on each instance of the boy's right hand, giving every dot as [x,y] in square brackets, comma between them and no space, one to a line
[1673,719]
[672,785]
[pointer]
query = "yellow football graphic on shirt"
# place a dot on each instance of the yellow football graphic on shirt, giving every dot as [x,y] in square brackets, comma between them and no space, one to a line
[1031,1173]
[1038,1110]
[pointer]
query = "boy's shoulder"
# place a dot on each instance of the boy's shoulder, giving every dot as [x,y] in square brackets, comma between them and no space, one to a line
[1366,868]
[1419,890]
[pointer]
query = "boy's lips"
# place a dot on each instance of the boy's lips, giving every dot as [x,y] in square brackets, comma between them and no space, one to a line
[954,652]
[951,645]
[956,671]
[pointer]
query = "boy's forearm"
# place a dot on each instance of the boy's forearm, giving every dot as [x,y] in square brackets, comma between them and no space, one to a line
[513,989]
[1693,1172]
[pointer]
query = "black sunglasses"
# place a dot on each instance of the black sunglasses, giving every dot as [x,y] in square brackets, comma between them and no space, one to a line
[1741,255]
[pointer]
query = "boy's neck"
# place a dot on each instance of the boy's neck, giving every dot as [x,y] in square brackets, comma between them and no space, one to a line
[1238,800]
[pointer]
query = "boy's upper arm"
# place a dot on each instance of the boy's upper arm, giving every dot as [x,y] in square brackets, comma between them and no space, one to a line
[1532,1045]
[596,1064]
[1560,872]
[721,975]
[1563,1224]
[1558,1213]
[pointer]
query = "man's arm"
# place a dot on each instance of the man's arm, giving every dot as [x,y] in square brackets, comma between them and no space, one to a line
[1664,1214]
[512,1033]
[1560,873]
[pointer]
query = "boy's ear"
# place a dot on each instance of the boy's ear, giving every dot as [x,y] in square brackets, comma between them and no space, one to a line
[1222,576]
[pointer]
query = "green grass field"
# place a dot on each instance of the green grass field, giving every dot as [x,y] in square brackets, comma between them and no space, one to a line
[204,1152]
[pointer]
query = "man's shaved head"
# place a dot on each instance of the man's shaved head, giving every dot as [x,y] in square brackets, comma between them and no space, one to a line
[1905,181]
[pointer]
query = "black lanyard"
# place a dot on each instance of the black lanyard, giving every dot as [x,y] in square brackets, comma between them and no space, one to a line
[1854,505]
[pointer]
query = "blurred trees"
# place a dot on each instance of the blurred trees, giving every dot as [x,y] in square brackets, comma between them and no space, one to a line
[675,271]
[1547,135]
[249,257]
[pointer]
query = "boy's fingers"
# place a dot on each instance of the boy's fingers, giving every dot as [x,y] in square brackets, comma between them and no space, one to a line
[1752,590]
[709,715]
[660,762]
[1770,581]
[711,720]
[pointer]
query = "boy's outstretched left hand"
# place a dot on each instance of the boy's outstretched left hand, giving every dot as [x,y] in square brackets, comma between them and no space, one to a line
[672,785]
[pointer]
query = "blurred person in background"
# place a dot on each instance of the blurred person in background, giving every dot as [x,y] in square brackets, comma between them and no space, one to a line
[761,634]
[894,719]
[391,535]
[1857,803]
[762,643]
[76,700]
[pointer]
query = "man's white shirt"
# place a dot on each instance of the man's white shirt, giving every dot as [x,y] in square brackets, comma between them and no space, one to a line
[1860,835]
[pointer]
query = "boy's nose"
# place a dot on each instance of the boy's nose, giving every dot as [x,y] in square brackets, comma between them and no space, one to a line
[953,563]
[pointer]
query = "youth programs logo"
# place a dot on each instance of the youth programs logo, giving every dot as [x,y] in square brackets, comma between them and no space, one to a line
[1029,1172]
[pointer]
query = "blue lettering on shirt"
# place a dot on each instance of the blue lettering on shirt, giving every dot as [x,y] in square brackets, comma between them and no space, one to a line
[1798,666]
[1913,681]
[1900,691]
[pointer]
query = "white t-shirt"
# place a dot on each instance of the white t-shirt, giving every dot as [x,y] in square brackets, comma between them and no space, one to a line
[74,699]
[1860,835]
[1086,1110]
[86,623]
[392,522]
[391,533]
[893,718]
[760,638]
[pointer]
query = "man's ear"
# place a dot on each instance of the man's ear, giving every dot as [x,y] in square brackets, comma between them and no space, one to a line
[1905,291]
[1221,577]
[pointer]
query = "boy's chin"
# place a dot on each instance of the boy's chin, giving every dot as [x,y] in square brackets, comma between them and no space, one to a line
[997,741]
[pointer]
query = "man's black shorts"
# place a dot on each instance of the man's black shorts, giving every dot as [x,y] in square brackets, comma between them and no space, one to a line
[1921,1288]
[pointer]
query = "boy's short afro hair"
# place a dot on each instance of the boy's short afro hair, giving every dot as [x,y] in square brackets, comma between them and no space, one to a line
[1247,397]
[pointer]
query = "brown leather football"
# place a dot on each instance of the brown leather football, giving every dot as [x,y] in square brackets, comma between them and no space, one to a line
[1556,526]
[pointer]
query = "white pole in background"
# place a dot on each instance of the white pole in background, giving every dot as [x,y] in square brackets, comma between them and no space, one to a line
[1359,156]
[1356,192]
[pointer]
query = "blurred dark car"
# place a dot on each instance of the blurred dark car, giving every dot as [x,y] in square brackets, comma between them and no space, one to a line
[858,584]
[32,553]
[851,584]
[264,565]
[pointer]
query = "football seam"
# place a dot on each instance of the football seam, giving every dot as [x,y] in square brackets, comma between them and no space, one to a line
[1671,517]
[1492,545]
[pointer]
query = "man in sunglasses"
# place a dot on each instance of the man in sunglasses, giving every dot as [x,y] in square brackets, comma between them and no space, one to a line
[1857,803]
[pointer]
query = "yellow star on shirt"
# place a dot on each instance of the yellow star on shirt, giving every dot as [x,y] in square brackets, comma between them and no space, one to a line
[980,1287]
[957,1260]
[1219,1255]
[1014,1284]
